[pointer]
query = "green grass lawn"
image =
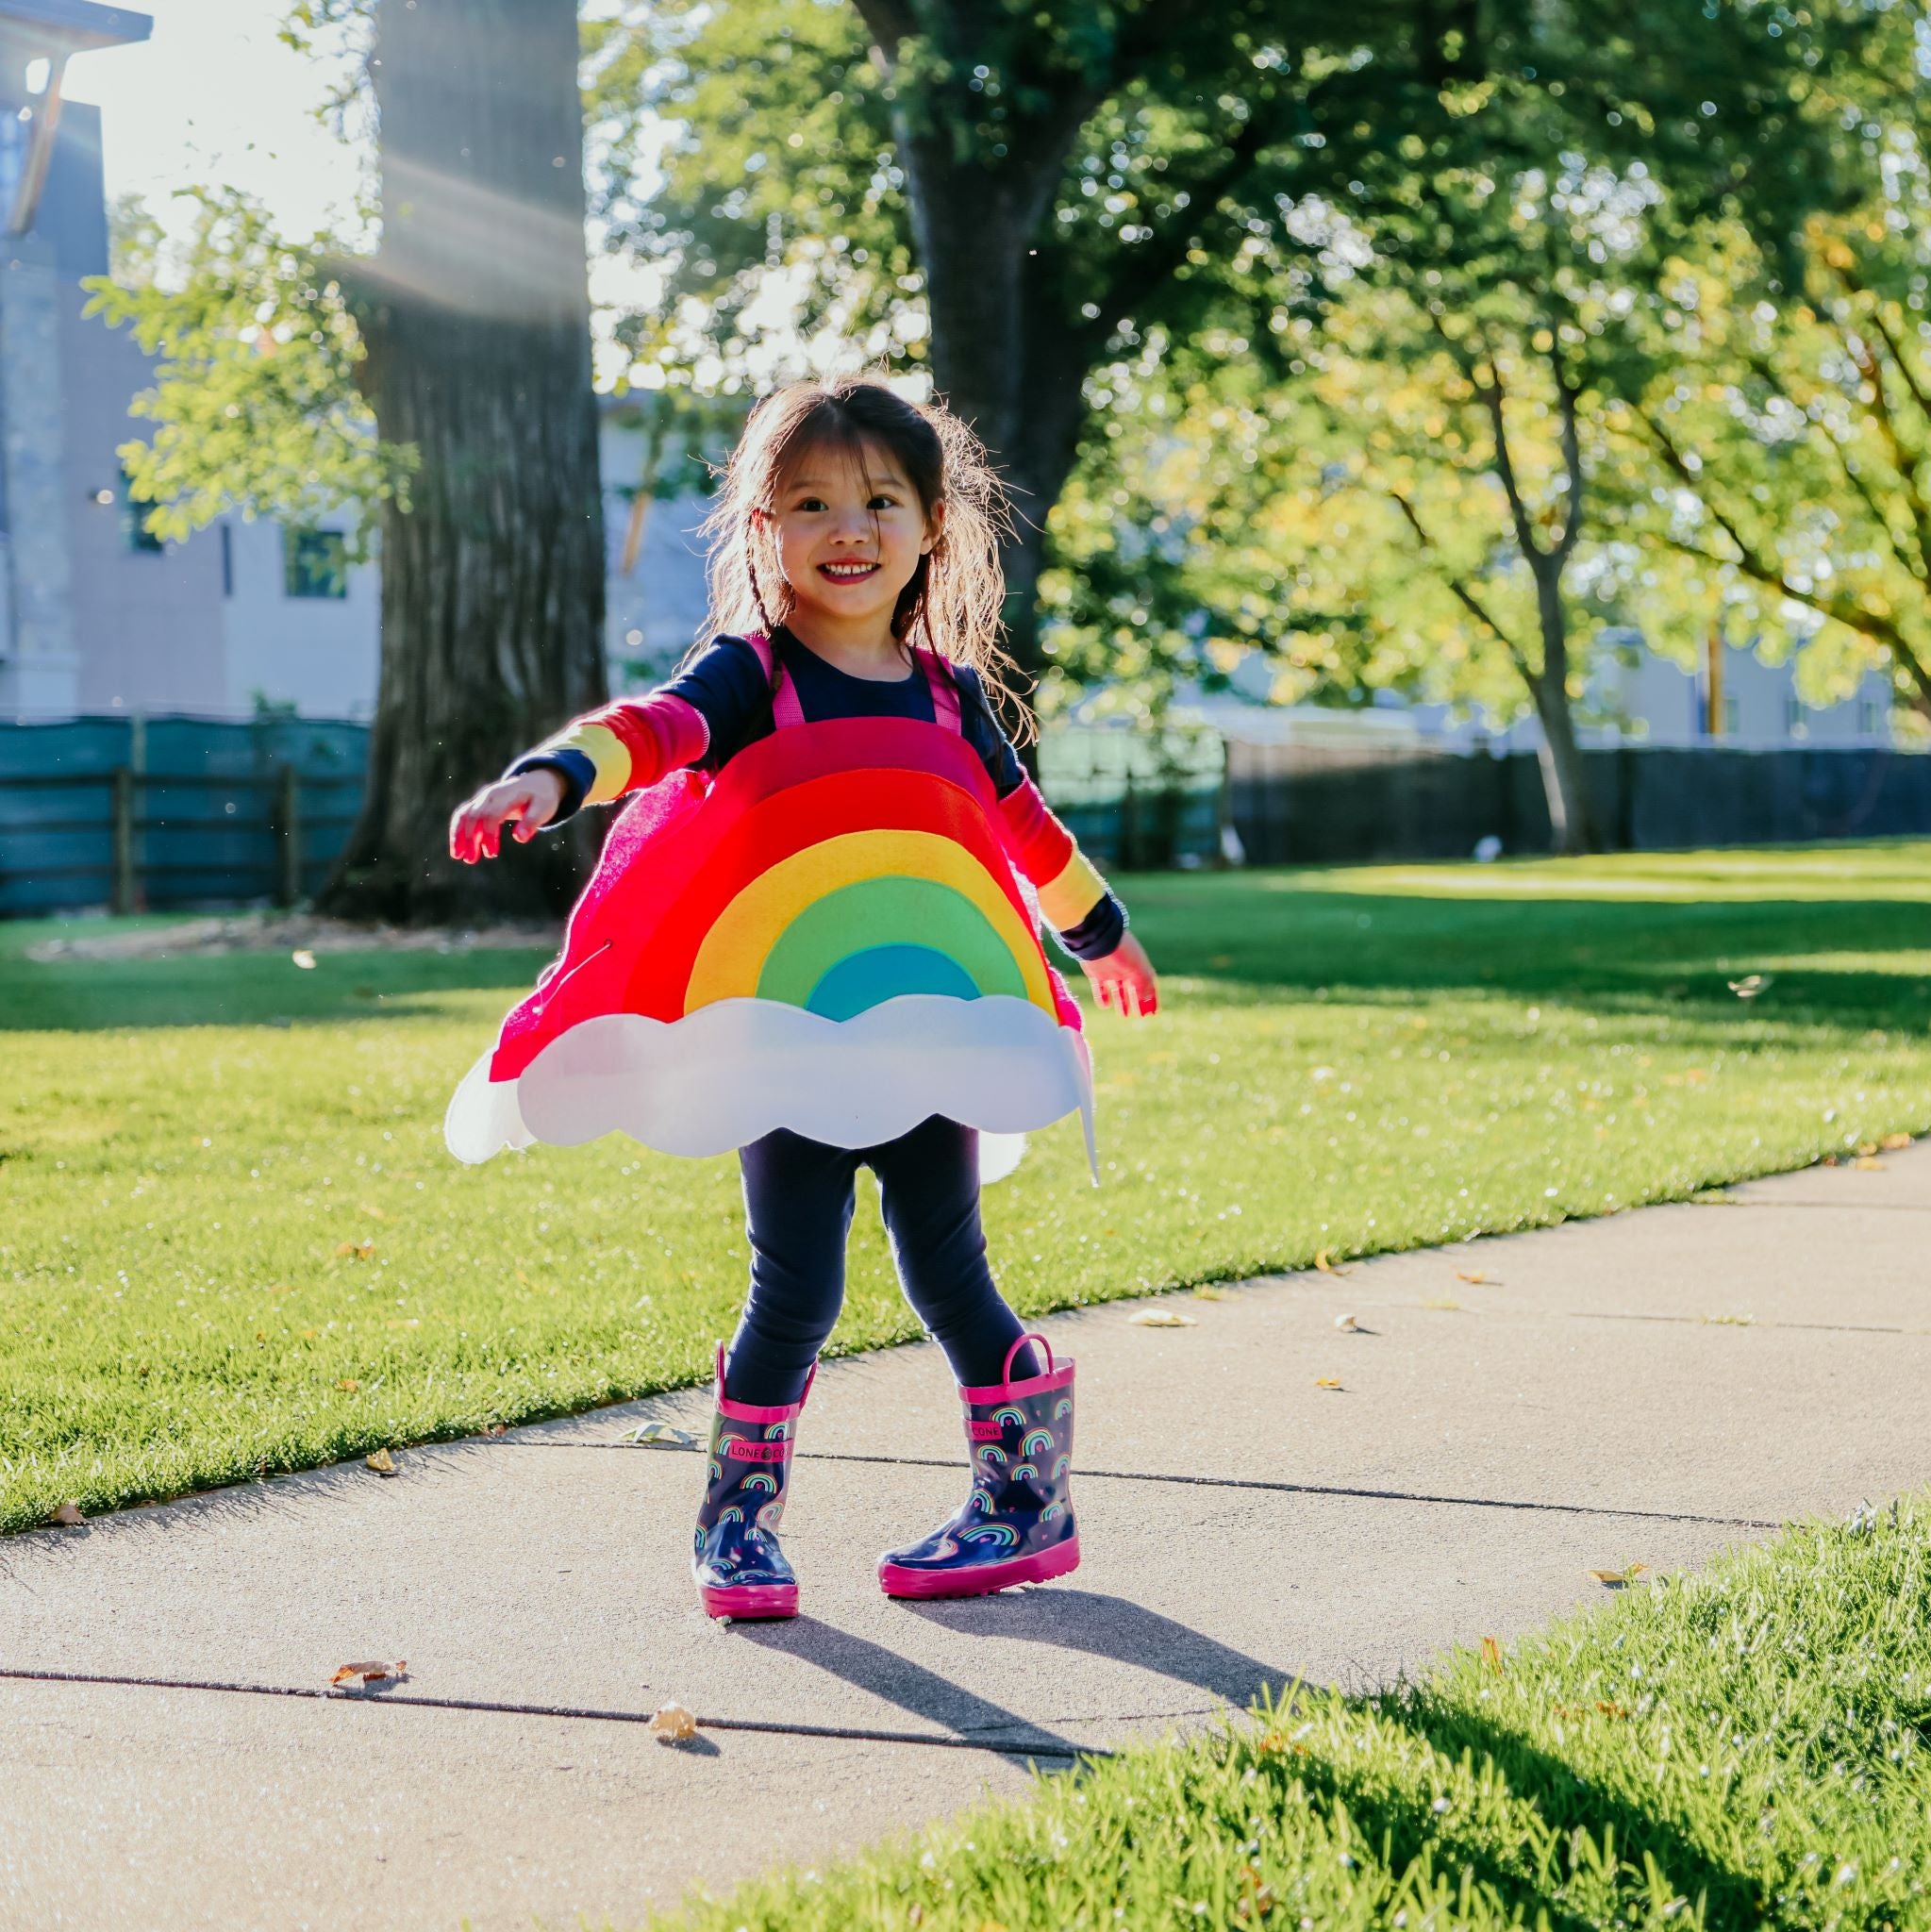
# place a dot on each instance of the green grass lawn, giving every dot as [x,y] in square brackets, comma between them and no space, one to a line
[1742,1748]
[231,1242]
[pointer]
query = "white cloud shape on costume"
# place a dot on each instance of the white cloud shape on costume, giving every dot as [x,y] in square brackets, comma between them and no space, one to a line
[738,1069]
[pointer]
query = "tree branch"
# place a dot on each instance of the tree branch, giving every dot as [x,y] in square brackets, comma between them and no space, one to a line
[1919,395]
[1149,266]
[888,22]
[1572,459]
[1904,460]
[1459,587]
[1754,564]
[1490,394]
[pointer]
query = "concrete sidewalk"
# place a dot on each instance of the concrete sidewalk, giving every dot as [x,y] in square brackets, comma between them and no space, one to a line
[1649,1387]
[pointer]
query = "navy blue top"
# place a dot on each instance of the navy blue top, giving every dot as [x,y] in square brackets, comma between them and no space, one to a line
[725,685]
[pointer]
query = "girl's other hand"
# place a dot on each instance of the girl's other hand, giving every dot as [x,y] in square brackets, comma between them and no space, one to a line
[1125,979]
[528,802]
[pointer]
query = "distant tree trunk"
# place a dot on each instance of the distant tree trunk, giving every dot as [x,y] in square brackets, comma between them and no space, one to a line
[1572,817]
[476,316]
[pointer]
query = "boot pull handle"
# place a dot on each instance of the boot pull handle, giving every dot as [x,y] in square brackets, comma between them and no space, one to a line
[1032,1335]
[810,1374]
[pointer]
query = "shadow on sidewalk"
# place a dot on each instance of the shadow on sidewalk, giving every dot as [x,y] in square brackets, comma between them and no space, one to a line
[871,1666]
[1117,1629]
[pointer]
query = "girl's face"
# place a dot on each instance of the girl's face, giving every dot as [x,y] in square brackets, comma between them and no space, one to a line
[849,536]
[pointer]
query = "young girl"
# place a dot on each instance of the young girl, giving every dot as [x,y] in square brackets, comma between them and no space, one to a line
[807,940]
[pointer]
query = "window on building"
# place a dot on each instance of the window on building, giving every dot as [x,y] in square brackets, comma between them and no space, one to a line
[227,560]
[1730,717]
[315,563]
[134,530]
[1869,717]
[1794,724]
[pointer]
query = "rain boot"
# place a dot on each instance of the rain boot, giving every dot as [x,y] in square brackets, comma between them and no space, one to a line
[737,1562]
[1017,1524]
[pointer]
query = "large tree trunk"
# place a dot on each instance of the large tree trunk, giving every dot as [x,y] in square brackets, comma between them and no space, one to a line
[1008,355]
[1572,819]
[477,314]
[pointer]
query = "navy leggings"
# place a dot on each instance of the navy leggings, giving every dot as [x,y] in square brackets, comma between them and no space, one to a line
[798,1200]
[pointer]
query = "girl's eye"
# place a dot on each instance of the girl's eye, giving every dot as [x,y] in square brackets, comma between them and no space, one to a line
[883,502]
[812,503]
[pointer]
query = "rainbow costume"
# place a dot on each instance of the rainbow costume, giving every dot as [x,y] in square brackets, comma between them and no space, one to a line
[834,935]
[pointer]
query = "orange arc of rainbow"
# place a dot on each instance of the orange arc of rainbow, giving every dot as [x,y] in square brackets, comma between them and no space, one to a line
[732,957]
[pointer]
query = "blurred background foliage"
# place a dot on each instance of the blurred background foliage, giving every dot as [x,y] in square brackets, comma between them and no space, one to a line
[1413,342]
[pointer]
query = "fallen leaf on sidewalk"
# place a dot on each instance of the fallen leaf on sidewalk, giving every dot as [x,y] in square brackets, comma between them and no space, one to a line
[67,1515]
[1869,1164]
[659,1436]
[1728,1320]
[1327,1381]
[377,1672]
[1618,1579]
[1206,1291]
[1473,1276]
[1347,1325]
[673,1724]
[1444,1302]
[1162,1318]
[1491,1655]
[1892,1143]
[382,1462]
[1327,1267]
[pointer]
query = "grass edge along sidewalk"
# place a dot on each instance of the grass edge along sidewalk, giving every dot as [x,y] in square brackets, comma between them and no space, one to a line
[1745,1745]
[232,1244]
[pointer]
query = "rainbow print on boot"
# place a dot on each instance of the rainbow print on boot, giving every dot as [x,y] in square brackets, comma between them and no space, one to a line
[736,1561]
[1017,1524]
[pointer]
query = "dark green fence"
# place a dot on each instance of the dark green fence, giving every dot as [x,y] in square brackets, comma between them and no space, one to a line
[134,813]
[137,813]
[1303,805]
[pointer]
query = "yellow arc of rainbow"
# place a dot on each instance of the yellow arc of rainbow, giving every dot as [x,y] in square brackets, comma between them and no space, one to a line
[731,958]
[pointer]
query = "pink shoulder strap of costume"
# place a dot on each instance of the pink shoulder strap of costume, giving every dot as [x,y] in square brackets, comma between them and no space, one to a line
[945,690]
[785,709]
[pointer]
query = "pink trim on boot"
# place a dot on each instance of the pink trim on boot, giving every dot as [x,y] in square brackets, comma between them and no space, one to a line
[750,1600]
[981,1579]
[753,1412]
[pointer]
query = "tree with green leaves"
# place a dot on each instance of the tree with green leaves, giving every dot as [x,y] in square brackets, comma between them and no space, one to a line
[443,381]
[1434,487]
[1794,434]
[1020,200]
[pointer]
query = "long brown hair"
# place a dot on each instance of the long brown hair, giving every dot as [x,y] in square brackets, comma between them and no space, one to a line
[955,598]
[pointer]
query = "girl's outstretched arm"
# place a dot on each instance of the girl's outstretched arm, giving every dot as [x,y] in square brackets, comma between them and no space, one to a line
[699,717]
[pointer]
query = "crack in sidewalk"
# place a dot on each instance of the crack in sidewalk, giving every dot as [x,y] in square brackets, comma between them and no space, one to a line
[1208,1482]
[1024,1746]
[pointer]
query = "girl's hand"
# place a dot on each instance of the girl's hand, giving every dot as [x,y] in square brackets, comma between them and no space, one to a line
[528,802]
[1125,979]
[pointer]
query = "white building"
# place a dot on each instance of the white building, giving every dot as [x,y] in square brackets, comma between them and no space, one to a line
[98,617]
[1635,696]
